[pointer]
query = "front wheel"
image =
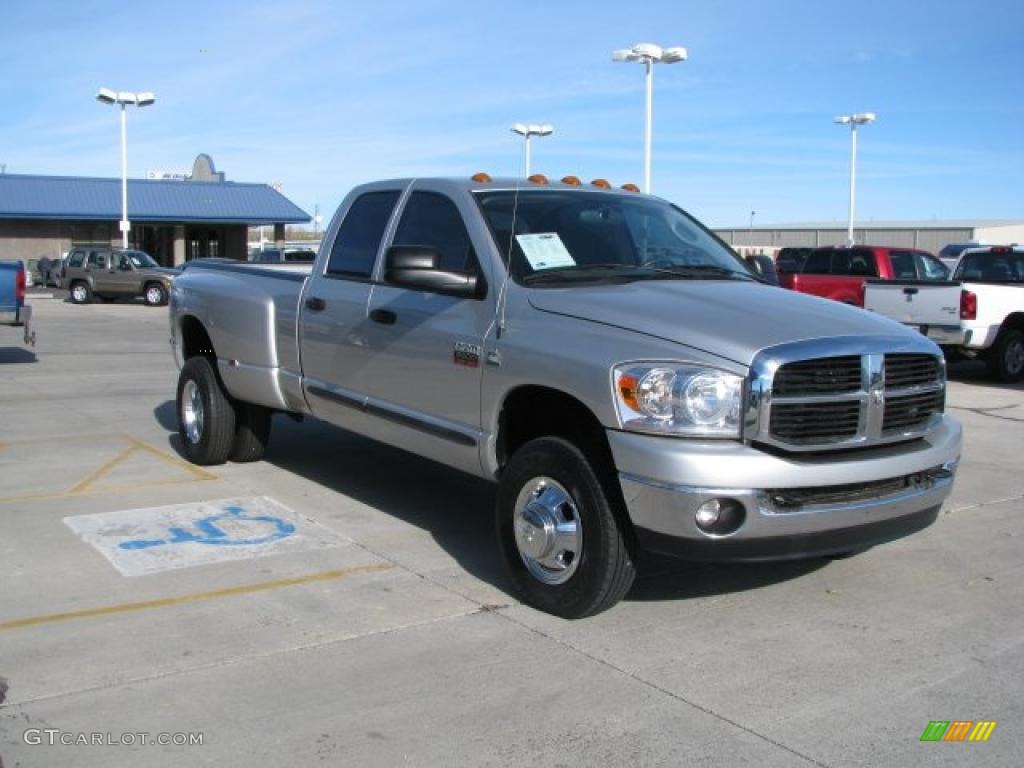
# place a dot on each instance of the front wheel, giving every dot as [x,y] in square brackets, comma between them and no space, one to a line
[1006,358]
[206,417]
[155,295]
[561,534]
[80,292]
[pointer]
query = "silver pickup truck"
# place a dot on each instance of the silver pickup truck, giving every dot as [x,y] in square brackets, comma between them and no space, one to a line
[613,366]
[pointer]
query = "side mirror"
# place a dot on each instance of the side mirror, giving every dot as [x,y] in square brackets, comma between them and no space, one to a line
[416,266]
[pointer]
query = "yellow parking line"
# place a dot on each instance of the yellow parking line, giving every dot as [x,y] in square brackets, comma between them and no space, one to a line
[83,487]
[194,597]
[96,474]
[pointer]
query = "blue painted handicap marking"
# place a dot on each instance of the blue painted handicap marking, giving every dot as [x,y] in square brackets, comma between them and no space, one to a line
[143,541]
[209,533]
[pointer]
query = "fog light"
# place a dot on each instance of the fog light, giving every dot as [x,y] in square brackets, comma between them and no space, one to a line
[720,517]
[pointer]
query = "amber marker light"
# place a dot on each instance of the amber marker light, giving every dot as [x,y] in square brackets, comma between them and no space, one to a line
[627,390]
[601,183]
[572,181]
[538,178]
[631,187]
[481,178]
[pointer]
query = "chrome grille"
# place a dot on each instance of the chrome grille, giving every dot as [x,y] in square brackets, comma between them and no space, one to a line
[908,412]
[816,422]
[856,394]
[827,375]
[902,371]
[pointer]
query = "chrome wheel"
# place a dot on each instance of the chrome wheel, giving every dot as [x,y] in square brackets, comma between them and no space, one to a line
[1013,357]
[79,293]
[548,530]
[154,295]
[192,412]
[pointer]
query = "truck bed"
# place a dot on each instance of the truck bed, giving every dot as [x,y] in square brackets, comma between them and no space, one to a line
[252,310]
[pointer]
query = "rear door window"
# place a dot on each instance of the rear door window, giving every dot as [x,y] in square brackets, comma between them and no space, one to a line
[903,267]
[355,247]
[97,259]
[930,268]
[76,259]
[818,263]
[857,262]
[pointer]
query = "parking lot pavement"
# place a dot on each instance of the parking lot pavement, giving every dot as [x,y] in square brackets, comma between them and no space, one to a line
[357,620]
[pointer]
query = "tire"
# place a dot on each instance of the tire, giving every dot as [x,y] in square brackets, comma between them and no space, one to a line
[80,292]
[154,294]
[252,432]
[601,571]
[206,417]
[1006,358]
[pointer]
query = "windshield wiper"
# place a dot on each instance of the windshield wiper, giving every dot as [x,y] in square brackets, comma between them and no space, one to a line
[561,273]
[702,271]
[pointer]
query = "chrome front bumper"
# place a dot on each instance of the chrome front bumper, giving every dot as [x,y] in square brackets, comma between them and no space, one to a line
[794,506]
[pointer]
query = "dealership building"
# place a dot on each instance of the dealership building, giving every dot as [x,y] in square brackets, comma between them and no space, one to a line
[191,215]
[929,235]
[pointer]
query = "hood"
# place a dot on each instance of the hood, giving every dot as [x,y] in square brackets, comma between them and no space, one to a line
[165,271]
[730,319]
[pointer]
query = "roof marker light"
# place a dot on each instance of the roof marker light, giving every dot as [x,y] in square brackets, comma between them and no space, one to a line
[538,178]
[601,183]
[481,178]
[572,181]
[631,187]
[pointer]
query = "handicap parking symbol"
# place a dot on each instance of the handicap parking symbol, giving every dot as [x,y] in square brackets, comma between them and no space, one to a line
[208,532]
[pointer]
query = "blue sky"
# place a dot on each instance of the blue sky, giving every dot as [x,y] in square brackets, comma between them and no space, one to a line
[321,96]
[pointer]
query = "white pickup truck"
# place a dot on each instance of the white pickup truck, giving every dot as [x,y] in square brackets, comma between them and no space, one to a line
[978,314]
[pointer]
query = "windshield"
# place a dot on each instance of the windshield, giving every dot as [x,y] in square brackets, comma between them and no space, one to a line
[140,259]
[992,267]
[567,236]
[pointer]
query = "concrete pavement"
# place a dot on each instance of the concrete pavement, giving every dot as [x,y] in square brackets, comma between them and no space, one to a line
[396,641]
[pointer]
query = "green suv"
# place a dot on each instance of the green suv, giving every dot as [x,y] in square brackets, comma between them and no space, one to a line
[110,273]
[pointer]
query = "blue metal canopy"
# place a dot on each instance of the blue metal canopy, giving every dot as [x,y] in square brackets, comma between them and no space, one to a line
[69,197]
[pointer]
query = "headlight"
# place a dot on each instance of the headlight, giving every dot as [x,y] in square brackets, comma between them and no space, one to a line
[667,398]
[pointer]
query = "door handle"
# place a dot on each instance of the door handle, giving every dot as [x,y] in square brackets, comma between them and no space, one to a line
[910,291]
[383,316]
[316,304]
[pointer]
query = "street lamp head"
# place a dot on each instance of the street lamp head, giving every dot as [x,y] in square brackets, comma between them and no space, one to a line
[145,99]
[125,97]
[624,54]
[672,55]
[648,50]
[863,118]
[842,119]
[521,129]
[544,130]
[533,129]
[106,96]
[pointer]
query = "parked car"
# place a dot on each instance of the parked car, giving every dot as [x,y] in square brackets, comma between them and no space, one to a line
[110,273]
[950,254]
[287,255]
[763,266]
[839,272]
[980,314]
[791,259]
[13,309]
[614,367]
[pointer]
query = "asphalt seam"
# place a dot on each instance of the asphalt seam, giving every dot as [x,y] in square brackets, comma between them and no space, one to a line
[980,504]
[665,691]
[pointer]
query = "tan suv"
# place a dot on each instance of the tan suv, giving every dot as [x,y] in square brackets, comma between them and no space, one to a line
[111,273]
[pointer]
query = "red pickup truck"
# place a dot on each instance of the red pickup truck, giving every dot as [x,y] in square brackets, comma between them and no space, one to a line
[839,272]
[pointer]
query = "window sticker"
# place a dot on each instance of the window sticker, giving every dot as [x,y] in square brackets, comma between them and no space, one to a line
[545,250]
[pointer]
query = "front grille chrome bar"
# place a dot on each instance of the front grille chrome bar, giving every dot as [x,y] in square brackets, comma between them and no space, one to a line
[804,422]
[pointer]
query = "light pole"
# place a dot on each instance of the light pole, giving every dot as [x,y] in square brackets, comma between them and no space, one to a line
[750,228]
[107,96]
[526,131]
[650,54]
[861,118]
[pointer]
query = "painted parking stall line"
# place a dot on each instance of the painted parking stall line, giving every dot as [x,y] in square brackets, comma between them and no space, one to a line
[138,542]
